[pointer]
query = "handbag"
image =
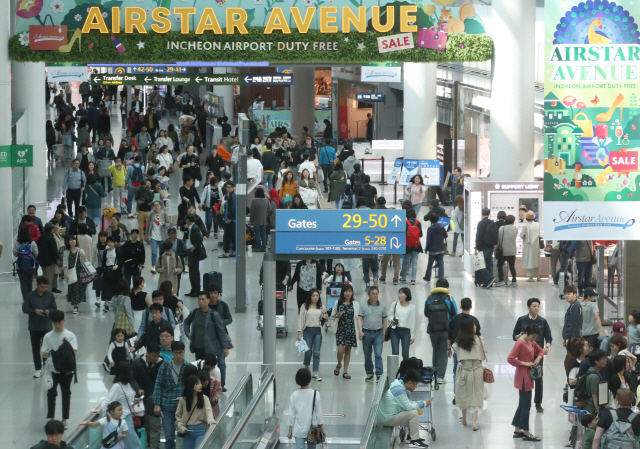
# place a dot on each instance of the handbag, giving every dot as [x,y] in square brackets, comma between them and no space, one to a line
[122,322]
[315,435]
[137,422]
[541,242]
[333,329]
[487,374]
[47,37]
[478,262]
[112,439]
[499,251]
[432,38]
[586,124]
[72,273]
[387,336]
[183,434]
[84,276]
[535,372]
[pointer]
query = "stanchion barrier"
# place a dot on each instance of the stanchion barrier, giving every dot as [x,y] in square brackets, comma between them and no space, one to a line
[382,181]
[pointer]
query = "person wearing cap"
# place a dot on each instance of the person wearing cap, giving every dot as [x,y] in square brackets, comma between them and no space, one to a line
[522,212]
[530,236]
[591,324]
[544,340]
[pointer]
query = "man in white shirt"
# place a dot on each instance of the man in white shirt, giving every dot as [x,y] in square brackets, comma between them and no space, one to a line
[309,166]
[254,169]
[210,363]
[52,342]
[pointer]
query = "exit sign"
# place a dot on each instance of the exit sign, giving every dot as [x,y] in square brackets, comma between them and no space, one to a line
[16,156]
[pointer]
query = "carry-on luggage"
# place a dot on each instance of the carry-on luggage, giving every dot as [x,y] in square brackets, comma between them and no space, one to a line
[212,278]
[103,168]
[565,278]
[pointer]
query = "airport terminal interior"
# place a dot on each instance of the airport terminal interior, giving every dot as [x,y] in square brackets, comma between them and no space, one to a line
[471,111]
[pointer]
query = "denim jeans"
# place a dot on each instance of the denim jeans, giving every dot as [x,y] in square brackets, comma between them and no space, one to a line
[155,244]
[94,214]
[194,436]
[417,208]
[564,262]
[261,236]
[336,204]
[132,441]
[313,337]
[223,368]
[209,220]
[300,444]
[130,273]
[412,260]
[169,112]
[373,340]
[370,263]
[326,170]
[521,418]
[439,258]
[267,181]
[168,425]
[439,357]
[130,195]
[400,334]
[455,240]
[584,275]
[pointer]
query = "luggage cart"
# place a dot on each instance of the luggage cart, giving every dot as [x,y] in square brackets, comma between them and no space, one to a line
[423,392]
[575,418]
[281,313]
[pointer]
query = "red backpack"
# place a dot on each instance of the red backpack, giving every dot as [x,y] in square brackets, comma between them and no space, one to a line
[413,234]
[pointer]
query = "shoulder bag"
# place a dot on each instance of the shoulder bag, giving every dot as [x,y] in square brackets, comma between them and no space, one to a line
[112,439]
[487,374]
[137,422]
[315,435]
[72,273]
[333,329]
[193,407]
[499,251]
[387,336]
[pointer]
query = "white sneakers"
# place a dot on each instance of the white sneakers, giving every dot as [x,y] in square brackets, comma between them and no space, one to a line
[38,374]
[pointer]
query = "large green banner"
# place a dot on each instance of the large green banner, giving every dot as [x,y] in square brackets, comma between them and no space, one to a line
[592,119]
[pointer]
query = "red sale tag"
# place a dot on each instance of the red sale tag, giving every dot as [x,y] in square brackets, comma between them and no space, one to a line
[623,160]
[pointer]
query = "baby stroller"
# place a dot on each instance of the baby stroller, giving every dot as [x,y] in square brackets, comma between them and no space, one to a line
[281,311]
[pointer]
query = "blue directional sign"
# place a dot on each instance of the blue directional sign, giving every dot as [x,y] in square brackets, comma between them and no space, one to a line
[360,231]
[336,243]
[262,79]
[370,96]
[156,69]
[341,220]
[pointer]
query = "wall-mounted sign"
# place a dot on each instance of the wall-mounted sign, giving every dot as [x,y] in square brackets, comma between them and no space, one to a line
[388,74]
[16,156]
[268,79]
[66,74]
[213,104]
[430,172]
[154,69]
[131,79]
[395,43]
[370,97]
[387,145]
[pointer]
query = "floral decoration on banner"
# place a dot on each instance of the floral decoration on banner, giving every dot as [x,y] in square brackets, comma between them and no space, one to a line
[28,8]
[57,6]
[24,38]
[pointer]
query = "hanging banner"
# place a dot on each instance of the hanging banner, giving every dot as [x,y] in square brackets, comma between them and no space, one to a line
[343,122]
[592,120]
[67,74]
[269,120]
[409,170]
[395,171]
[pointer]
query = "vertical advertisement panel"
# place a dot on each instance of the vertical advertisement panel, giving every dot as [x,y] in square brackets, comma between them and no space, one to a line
[592,120]
[343,122]
[409,170]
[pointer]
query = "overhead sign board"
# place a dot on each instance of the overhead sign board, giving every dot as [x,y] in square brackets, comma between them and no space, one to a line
[67,74]
[262,79]
[360,231]
[132,79]
[155,69]
[16,156]
[370,96]
[388,74]
[387,145]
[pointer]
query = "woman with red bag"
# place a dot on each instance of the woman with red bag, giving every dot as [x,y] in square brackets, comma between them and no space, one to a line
[525,354]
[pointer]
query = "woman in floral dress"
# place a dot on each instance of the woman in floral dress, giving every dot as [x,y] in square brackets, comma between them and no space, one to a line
[346,311]
[73,259]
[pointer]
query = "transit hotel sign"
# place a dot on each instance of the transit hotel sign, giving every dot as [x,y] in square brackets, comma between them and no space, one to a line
[131,79]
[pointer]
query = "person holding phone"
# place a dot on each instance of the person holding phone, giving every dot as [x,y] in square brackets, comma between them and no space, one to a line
[346,311]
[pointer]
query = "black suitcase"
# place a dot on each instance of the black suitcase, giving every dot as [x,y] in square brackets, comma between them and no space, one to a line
[279,307]
[213,277]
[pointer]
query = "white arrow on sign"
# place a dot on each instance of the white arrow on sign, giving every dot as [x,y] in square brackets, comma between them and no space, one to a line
[396,220]
[198,79]
[147,79]
[97,79]
[246,79]
[395,243]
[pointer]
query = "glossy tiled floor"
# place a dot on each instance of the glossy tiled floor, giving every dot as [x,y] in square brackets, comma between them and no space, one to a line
[23,399]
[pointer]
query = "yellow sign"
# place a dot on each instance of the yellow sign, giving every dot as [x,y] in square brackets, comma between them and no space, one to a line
[236,18]
[355,221]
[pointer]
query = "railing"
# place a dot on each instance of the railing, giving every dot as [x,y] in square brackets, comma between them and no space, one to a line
[374,436]
[87,437]
[255,421]
[233,411]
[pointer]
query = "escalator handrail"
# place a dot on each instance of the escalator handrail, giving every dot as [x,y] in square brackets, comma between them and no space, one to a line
[76,434]
[262,389]
[247,378]
[373,413]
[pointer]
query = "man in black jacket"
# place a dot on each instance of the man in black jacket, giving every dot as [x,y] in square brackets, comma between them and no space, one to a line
[134,256]
[193,239]
[54,430]
[189,195]
[143,381]
[38,304]
[544,340]
[215,163]
[215,303]
[82,218]
[229,238]
[48,254]
[153,328]
[485,235]
[137,105]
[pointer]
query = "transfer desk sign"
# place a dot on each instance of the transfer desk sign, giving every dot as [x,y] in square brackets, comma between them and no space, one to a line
[592,120]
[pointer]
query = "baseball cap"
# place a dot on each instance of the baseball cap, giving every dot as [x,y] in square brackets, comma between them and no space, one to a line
[590,291]
[619,328]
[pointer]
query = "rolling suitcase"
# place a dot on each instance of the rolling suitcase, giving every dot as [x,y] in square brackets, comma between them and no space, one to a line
[565,278]
[213,277]
[103,168]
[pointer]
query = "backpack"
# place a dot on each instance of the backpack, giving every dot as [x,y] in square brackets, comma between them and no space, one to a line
[358,180]
[410,363]
[581,396]
[25,257]
[413,234]
[620,434]
[438,314]
[491,234]
[136,176]
[64,359]
[367,193]
[564,246]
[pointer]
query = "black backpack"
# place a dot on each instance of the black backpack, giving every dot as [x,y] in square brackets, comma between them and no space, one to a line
[438,314]
[368,194]
[358,180]
[581,396]
[410,363]
[491,234]
[64,359]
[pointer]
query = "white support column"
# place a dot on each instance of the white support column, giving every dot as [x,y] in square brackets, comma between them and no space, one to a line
[303,101]
[420,110]
[226,92]
[30,77]
[6,219]
[512,90]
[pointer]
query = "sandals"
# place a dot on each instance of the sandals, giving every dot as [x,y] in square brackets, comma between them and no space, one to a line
[336,372]
[518,434]
[346,376]
[530,437]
